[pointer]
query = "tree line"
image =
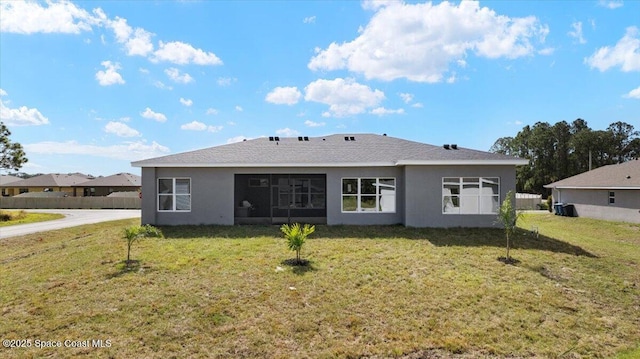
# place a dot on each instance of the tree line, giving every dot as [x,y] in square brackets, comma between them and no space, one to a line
[566,149]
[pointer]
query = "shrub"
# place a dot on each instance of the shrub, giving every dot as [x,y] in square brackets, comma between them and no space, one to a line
[296,236]
[6,216]
[133,233]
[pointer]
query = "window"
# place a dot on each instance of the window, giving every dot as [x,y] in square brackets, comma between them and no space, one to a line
[470,195]
[612,197]
[301,193]
[174,194]
[369,195]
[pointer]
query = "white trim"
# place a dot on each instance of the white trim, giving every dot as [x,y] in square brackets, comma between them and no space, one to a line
[173,194]
[512,162]
[596,187]
[377,196]
[460,195]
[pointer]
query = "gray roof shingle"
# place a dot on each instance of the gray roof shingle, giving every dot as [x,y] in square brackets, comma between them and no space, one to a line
[51,180]
[326,151]
[117,180]
[623,175]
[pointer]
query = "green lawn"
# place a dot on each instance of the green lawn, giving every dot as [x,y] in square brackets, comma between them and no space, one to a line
[368,292]
[10,218]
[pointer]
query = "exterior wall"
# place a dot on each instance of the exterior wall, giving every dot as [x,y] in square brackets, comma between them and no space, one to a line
[595,203]
[334,196]
[418,194]
[424,194]
[211,196]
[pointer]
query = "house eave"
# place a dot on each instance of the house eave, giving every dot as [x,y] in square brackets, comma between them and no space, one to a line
[514,162]
[595,187]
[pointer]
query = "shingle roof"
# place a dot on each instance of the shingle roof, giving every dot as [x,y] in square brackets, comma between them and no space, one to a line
[624,175]
[51,180]
[117,180]
[6,179]
[327,151]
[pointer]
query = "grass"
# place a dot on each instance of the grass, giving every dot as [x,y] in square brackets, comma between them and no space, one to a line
[10,218]
[374,292]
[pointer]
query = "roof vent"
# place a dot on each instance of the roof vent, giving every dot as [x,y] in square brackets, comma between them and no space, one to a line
[446,147]
[306,138]
[346,138]
[454,147]
[277,138]
[270,138]
[384,134]
[352,138]
[299,138]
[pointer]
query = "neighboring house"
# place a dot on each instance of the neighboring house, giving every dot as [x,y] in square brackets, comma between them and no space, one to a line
[5,180]
[336,179]
[54,182]
[609,192]
[104,186]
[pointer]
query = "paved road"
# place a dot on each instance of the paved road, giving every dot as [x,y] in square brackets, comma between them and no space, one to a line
[73,217]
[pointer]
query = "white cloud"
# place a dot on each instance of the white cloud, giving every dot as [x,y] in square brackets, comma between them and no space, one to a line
[381,111]
[194,126]
[181,53]
[162,86]
[110,75]
[22,116]
[199,126]
[420,41]
[148,113]
[309,20]
[287,132]
[406,97]
[344,96]
[226,81]
[136,42]
[238,139]
[576,33]
[635,93]
[121,129]
[611,4]
[186,102]
[130,151]
[417,105]
[27,17]
[212,111]
[310,123]
[377,4]
[143,70]
[626,53]
[175,75]
[284,96]
[546,51]
[239,108]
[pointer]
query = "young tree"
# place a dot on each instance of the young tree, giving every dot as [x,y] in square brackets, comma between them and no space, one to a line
[508,217]
[296,236]
[133,233]
[12,156]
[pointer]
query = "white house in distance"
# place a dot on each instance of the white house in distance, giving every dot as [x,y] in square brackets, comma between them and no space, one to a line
[336,179]
[609,192]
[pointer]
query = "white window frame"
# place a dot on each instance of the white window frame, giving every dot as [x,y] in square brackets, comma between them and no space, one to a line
[461,182]
[378,196]
[173,194]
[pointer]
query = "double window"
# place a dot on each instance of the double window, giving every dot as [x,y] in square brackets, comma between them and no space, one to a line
[174,194]
[612,197]
[369,195]
[470,195]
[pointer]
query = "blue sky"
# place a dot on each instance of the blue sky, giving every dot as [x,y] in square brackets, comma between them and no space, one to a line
[91,86]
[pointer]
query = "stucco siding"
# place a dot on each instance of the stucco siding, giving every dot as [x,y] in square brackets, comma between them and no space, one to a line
[423,194]
[335,216]
[592,203]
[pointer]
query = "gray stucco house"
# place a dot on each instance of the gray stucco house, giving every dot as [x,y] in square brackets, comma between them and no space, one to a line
[337,179]
[609,192]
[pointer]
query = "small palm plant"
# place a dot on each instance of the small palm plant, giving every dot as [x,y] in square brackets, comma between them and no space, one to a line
[508,217]
[296,236]
[133,233]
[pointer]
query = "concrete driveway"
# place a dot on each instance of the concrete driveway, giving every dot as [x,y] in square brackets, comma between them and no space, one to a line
[73,217]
